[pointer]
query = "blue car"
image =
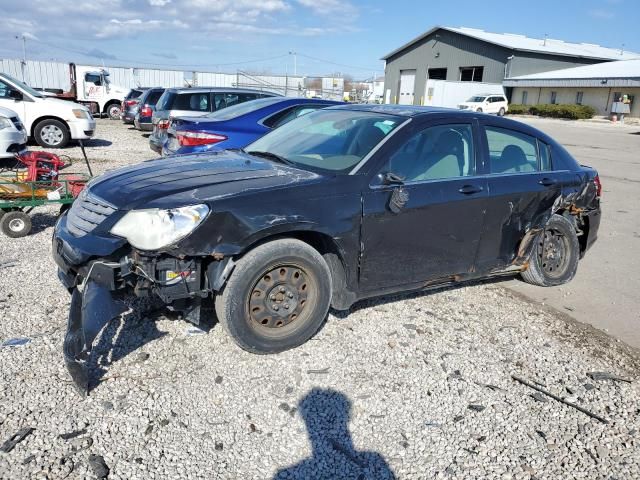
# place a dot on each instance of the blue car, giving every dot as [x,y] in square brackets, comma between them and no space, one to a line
[236,126]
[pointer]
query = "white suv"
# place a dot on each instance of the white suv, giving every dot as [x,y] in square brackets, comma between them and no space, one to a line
[487,103]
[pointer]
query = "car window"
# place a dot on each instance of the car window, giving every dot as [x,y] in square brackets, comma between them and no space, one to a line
[196,102]
[228,99]
[438,152]
[511,151]
[545,156]
[278,119]
[5,89]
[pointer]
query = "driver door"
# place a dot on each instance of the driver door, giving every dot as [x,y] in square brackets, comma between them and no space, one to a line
[425,227]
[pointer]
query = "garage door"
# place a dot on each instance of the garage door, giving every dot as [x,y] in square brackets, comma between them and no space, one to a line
[407,87]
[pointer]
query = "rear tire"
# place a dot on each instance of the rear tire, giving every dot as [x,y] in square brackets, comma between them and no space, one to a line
[15,224]
[501,112]
[555,254]
[52,133]
[479,110]
[277,297]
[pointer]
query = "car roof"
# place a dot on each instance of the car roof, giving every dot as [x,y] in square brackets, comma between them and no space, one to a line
[180,90]
[397,110]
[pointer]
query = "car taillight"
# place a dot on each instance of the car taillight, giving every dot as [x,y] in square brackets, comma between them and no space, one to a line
[128,103]
[596,180]
[146,111]
[191,139]
[162,124]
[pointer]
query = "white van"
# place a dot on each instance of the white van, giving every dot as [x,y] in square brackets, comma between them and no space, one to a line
[49,121]
[487,103]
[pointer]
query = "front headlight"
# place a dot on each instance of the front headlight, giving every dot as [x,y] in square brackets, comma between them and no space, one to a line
[5,123]
[80,113]
[153,228]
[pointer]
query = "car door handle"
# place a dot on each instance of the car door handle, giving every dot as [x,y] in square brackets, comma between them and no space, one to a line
[547,182]
[469,189]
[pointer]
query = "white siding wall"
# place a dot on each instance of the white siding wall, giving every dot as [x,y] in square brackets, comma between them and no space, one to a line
[39,74]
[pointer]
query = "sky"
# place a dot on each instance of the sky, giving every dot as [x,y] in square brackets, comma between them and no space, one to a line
[310,37]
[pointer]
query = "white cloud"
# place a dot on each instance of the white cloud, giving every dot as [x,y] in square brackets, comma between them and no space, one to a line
[602,14]
[159,3]
[338,8]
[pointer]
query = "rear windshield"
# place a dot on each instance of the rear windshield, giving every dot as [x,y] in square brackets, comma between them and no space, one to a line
[134,94]
[153,97]
[240,109]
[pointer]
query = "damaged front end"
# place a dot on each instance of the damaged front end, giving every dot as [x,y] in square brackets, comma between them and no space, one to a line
[99,288]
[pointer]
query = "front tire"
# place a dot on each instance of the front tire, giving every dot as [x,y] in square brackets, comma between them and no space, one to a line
[52,133]
[113,111]
[277,297]
[479,110]
[554,257]
[15,224]
[501,112]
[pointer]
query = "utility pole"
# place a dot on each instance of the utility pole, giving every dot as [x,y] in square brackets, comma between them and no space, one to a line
[295,62]
[24,54]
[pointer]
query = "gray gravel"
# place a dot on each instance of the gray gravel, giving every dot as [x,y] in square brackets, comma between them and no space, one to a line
[415,386]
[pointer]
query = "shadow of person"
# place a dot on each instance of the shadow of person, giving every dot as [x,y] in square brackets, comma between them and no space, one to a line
[326,414]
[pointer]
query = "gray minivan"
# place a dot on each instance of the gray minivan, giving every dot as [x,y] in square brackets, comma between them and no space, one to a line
[193,102]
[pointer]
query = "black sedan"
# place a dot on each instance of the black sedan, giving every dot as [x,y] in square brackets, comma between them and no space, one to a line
[342,204]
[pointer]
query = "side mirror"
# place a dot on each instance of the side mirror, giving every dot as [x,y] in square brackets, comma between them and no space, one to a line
[391,178]
[16,95]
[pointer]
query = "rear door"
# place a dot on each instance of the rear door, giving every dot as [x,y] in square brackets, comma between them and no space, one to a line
[522,187]
[426,228]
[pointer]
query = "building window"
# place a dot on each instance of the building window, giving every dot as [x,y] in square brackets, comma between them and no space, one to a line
[525,94]
[471,74]
[437,74]
[579,98]
[554,97]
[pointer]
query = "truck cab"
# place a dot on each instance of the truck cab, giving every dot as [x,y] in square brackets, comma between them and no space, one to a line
[94,89]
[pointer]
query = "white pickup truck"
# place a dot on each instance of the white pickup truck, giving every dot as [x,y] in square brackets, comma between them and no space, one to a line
[51,122]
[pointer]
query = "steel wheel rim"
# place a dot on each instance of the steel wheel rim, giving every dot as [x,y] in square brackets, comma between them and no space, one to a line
[280,298]
[553,253]
[51,134]
[16,225]
[113,111]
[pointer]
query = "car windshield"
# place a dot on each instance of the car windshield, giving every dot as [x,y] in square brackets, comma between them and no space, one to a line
[24,86]
[240,109]
[476,99]
[332,140]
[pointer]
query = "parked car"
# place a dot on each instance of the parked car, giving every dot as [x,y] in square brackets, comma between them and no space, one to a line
[49,121]
[487,103]
[147,106]
[176,102]
[342,204]
[236,126]
[13,136]
[130,104]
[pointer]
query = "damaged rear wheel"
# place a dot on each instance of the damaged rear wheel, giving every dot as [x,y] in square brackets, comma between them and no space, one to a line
[554,257]
[277,297]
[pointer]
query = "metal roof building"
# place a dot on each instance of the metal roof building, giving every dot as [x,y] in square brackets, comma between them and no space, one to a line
[460,54]
[596,85]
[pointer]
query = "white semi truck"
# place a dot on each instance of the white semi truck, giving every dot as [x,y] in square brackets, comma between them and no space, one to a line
[91,87]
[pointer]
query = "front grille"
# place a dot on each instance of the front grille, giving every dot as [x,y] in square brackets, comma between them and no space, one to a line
[86,213]
[18,124]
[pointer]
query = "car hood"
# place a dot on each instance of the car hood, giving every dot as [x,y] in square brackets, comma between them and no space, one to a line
[189,179]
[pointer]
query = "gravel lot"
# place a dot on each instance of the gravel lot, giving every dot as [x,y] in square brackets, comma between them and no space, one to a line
[415,386]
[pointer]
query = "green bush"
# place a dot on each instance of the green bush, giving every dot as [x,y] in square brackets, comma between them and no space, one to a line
[573,112]
[517,109]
